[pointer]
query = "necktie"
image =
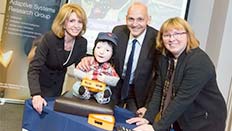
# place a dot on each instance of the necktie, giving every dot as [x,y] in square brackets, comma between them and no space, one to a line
[125,87]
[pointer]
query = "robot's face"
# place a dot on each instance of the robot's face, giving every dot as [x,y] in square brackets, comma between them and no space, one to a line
[103,51]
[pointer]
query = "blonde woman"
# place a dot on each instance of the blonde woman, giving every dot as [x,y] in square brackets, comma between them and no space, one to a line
[186,90]
[64,45]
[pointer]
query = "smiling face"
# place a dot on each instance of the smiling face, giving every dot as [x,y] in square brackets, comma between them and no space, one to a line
[137,19]
[103,51]
[73,25]
[175,41]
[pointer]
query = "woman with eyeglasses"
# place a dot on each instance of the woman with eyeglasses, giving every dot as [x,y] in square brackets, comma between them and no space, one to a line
[186,90]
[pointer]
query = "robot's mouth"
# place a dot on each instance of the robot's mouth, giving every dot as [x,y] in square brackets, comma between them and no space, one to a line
[100,56]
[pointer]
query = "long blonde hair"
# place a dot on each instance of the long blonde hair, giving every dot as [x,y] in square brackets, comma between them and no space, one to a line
[180,24]
[63,14]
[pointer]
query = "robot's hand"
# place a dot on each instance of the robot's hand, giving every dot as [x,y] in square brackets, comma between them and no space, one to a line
[101,77]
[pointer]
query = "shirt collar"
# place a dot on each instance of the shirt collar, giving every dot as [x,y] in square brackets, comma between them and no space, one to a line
[105,65]
[139,39]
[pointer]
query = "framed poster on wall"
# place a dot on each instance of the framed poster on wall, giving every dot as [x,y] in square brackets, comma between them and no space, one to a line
[24,20]
[103,15]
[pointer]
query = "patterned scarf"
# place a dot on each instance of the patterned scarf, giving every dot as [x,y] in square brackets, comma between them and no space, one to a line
[168,91]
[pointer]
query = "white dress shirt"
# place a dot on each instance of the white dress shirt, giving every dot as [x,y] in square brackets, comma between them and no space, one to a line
[138,46]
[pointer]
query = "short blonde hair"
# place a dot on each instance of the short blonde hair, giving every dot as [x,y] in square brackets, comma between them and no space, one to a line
[63,14]
[179,24]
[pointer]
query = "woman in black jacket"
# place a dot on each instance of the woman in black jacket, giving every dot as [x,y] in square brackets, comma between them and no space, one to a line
[186,89]
[59,48]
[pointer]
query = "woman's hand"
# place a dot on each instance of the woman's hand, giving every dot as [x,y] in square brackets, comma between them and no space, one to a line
[137,120]
[38,102]
[142,124]
[144,127]
[85,63]
[141,111]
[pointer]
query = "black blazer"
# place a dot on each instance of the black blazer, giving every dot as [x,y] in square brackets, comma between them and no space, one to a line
[46,71]
[198,102]
[143,71]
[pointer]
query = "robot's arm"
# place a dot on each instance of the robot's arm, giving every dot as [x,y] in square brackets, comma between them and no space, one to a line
[79,74]
[109,80]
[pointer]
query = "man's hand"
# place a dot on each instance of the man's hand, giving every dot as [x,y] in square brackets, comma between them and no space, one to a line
[38,102]
[141,112]
[85,63]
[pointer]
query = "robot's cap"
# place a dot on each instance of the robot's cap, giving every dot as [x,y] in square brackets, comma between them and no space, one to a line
[108,36]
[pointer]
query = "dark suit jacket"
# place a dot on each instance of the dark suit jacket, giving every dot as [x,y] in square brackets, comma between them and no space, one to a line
[143,72]
[198,102]
[46,71]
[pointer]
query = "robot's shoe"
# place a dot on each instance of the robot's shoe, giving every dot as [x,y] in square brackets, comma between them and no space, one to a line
[103,97]
[81,92]
[85,94]
[107,93]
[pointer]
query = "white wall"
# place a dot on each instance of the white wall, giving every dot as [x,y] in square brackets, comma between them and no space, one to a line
[224,66]
[210,20]
[199,17]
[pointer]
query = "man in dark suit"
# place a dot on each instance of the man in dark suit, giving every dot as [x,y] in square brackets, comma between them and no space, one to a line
[136,27]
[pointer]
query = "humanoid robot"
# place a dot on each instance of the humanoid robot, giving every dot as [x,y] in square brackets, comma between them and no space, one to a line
[97,81]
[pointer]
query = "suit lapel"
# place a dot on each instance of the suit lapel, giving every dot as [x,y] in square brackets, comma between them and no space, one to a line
[145,50]
[122,50]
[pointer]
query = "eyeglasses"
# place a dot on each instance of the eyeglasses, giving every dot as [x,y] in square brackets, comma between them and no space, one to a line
[174,35]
